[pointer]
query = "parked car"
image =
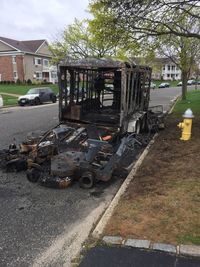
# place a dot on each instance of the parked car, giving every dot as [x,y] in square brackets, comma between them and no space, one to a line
[163,85]
[191,82]
[152,86]
[179,84]
[37,96]
[1,101]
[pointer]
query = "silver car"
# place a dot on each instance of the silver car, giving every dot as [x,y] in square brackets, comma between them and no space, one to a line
[37,96]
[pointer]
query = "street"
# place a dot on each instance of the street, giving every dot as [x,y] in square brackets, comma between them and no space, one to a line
[41,226]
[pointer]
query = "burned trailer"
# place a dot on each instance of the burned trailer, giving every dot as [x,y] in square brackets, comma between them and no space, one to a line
[104,122]
[106,102]
[104,92]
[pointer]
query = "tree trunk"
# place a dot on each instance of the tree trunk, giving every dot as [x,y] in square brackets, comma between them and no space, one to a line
[196,82]
[184,84]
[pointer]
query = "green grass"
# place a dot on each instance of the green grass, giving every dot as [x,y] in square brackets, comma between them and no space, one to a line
[189,239]
[9,100]
[22,89]
[193,102]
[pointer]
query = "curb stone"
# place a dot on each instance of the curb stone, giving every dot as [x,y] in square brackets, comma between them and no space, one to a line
[164,247]
[183,250]
[174,101]
[114,240]
[190,250]
[137,243]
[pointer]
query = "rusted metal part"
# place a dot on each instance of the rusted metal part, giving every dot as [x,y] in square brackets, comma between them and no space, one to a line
[56,182]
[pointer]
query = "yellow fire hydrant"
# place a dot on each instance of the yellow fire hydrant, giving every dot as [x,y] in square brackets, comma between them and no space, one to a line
[186,125]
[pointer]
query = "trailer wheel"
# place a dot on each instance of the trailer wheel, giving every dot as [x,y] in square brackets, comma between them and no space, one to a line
[33,175]
[87,180]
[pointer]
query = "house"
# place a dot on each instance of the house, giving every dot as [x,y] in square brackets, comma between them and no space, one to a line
[169,70]
[26,60]
[162,68]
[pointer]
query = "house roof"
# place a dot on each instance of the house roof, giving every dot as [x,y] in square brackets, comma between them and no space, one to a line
[30,46]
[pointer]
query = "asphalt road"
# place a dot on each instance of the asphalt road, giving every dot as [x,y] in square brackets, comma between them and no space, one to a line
[41,226]
[132,257]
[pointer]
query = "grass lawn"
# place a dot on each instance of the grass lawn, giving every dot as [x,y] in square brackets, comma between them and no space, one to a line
[9,100]
[162,203]
[193,102]
[22,89]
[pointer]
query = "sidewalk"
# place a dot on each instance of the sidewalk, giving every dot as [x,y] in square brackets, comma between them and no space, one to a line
[9,94]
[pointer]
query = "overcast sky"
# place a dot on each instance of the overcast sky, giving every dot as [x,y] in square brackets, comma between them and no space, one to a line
[38,19]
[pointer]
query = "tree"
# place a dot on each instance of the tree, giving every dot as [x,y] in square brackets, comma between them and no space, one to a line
[153,17]
[183,52]
[173,26]
[79,40]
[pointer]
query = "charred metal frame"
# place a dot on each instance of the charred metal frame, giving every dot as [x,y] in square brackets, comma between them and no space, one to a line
[103,92]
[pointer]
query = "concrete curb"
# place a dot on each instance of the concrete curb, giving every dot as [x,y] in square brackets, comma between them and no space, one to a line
[175,100]
[109,211]
[182,250]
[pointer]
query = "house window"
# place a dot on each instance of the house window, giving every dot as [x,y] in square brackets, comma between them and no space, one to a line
[46,62]
[168,75]
[164,67]
[53,75]
[38,75]
[168,67]
[14,59]
[173,67]
[15,75]
[38,61]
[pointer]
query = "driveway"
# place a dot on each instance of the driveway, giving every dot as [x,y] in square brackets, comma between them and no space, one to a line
[41,226]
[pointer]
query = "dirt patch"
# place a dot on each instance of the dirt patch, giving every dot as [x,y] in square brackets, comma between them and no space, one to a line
[162,203]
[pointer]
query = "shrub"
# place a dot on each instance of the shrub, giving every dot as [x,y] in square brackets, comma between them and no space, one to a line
[29,81]
[18,81]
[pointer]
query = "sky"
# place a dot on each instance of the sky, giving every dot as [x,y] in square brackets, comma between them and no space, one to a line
[39,19]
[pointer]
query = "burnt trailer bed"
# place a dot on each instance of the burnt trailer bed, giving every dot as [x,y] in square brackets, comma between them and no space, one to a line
[105,121]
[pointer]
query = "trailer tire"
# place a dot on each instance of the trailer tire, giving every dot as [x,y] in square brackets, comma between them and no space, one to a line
[87,180]
[33,175]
